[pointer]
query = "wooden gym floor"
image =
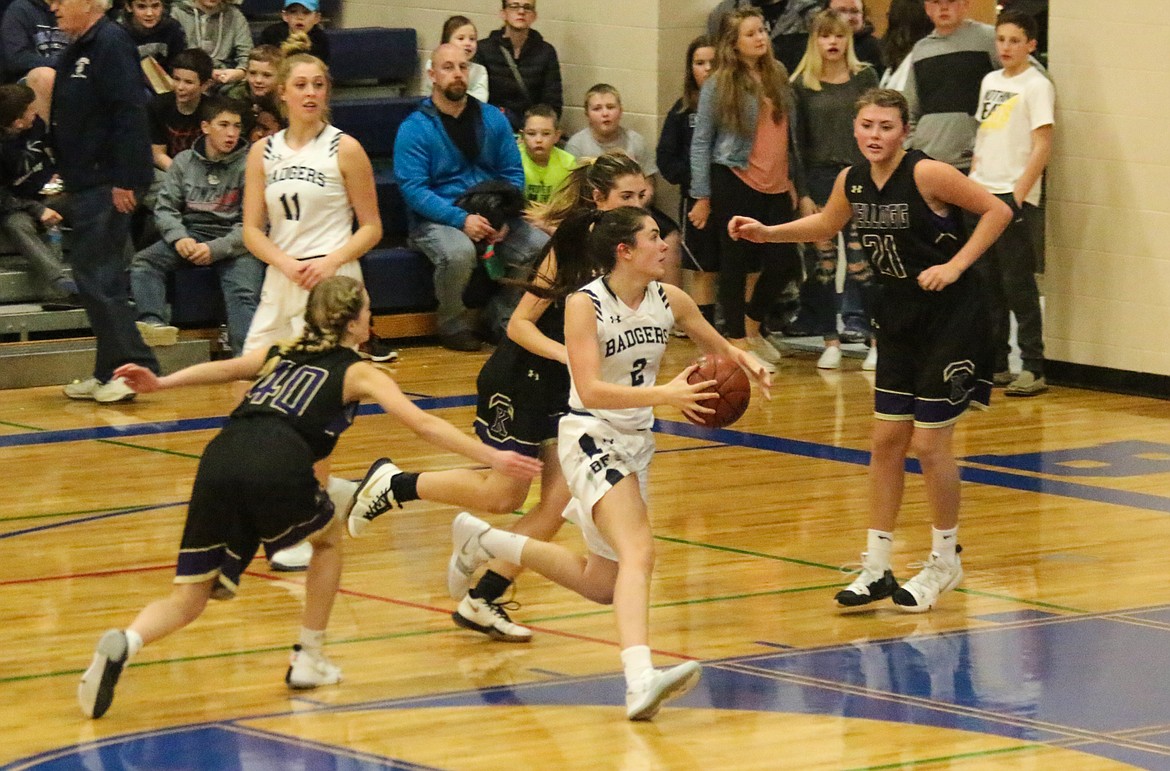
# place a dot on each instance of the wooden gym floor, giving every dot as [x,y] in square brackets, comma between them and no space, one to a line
[1052,654]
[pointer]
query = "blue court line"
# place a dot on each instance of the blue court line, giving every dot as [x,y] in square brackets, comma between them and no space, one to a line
[981,476]
[94,518]
[993,478]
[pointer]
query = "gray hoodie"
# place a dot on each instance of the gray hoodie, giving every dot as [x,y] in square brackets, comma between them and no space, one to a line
[203,199]
[223,33]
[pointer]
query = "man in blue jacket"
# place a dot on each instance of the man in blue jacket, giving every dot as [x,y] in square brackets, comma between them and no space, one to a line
[99,131]
[449,145]
[31,44]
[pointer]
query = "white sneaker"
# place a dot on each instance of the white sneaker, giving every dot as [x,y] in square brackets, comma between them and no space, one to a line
[870,363]
[95,693]
[374,496]
[831,358]
[468,553]
[293,559]
[309,669]
[936,578]
[157,334]
[767,365]
[644,699]
[491,619]
[92,389]
[872,584]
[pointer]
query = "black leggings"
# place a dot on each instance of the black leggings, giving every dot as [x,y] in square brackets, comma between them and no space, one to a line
[777,264]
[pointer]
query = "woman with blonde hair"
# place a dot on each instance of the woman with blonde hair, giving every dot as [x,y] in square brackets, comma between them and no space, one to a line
[828,82]
[745,160]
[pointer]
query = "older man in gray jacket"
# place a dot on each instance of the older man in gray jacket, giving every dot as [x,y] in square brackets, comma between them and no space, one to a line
[199,213]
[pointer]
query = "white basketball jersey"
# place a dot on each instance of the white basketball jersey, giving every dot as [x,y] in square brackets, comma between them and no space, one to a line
[309,214]
[631,343]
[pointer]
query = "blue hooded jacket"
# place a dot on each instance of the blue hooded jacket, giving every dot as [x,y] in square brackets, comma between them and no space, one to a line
[432,172]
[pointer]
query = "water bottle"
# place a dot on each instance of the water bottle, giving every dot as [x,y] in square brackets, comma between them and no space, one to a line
[54,235]
[493,263]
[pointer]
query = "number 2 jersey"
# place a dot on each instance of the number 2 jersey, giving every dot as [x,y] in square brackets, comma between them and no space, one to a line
[304,390]
[631,343]
[901,234]
[309,214]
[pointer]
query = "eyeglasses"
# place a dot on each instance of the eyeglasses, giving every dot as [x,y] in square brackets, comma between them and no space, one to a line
[521,7]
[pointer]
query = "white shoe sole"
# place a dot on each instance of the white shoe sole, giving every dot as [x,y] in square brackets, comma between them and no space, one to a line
[675,682]
[95,692]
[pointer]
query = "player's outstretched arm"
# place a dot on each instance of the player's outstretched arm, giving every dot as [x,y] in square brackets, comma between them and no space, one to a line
[144,381]
[364,381]
[821,226]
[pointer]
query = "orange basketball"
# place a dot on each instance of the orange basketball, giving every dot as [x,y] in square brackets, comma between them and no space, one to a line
[732,385]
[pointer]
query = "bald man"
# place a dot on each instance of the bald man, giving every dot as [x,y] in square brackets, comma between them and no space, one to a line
[449,145]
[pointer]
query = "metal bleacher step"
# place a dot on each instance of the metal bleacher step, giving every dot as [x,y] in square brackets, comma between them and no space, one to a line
[56,362]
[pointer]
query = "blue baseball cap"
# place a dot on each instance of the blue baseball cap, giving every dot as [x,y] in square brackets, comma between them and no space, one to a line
[312,5]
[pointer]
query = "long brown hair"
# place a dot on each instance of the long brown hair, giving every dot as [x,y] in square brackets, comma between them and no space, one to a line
[591,175]
[690,97]
[734,80]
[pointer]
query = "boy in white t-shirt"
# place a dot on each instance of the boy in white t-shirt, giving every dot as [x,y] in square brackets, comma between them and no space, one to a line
[1012,147]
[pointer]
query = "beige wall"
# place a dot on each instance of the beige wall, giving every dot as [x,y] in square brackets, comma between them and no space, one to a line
[1108,270]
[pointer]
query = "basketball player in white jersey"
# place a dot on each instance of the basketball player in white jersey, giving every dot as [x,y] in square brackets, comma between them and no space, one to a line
[616,329]
[303,188]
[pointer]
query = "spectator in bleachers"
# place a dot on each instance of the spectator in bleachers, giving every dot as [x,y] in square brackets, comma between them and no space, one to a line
[1012,147]
[102,144]
[446,147]
[199,212]
[701,263]
[30,46]
[866,45]
[303,16]
[906,24]
[24,218]
[522,66]
[26,160]
[785,21]
[152,28]
[258,91]
[603,109]
[947,67]
[546,166]
[220,29]
[174,117]
[459,31]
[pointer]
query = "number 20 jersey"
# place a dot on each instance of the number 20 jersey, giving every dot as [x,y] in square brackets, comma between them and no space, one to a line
[309,214]
[631,344]
[901,234]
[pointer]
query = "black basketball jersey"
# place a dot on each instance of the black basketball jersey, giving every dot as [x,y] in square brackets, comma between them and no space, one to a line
[901,234]
[305,390]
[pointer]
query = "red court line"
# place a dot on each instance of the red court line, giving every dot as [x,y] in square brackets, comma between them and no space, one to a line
[95,574]
[447,612]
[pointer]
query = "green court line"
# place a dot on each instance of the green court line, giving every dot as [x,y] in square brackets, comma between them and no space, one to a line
[21,425]
[958,756]
[132,446]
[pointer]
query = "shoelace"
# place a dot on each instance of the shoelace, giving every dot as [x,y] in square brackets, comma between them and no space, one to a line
[383,503]
[498,608]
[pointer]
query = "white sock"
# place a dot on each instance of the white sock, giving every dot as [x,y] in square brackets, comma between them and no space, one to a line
[133,643]
[636,662]
[504,545]
[312,639]
[878,545]
[943,542]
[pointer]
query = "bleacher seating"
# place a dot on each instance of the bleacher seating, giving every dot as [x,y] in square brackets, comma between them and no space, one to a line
[373,55]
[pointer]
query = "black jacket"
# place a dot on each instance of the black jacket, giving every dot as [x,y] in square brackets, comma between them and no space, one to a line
[99,128]
[539,68]
[674,147]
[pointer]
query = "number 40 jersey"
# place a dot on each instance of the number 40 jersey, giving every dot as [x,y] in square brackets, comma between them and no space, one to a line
[631,343]
[309,214]
[901,234]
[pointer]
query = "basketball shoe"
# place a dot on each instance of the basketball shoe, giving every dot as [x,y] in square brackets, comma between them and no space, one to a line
[490,618]
[374,496]
[310,668]
[658,686]
[872,584]
[468,553]
[936,578]
[95,693]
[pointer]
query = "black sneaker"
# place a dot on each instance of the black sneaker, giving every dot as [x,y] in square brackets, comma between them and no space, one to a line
[869,586]
[378,349]
[95,692]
